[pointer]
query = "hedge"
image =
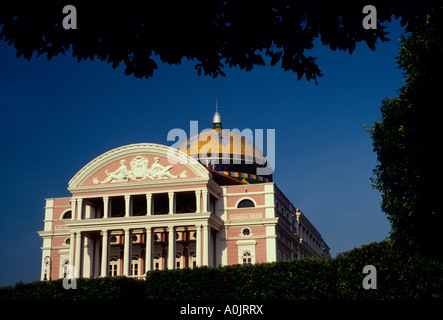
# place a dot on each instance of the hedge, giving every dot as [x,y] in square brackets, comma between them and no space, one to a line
[398,276]
[107,288]
[341,278]
[307,279]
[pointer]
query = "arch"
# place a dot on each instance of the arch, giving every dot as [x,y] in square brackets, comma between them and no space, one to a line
[66,214]
[246,257]
[245,203]
[174,156]
[65,267]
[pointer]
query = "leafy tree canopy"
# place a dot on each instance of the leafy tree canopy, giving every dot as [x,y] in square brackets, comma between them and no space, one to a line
[409,147]
[213,33]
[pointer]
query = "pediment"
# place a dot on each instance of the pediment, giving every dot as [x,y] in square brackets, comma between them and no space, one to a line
[138,163]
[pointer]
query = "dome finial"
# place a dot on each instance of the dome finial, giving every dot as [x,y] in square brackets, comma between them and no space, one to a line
[216,119]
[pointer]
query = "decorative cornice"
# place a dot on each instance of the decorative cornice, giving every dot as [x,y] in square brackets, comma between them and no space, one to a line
[139,221]
[262,222]
[139,185]
[151,149]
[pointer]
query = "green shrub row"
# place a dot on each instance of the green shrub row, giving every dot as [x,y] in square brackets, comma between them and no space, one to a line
[108,288]
[307,279]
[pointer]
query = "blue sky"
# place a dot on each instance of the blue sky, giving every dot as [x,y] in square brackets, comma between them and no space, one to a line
[58,115]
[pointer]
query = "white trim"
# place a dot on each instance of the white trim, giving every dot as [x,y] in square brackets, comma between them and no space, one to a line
[49,214]
[251,222]
[63,213]
[246,246]
[246,198]
[269,201]
[142,186]
[271,244]
[237,194]
[246,236]
[46,252]
[250,242]
[134,150]
[256,207]
[63,259]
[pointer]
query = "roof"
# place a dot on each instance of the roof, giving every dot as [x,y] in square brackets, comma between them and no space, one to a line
[224,180]
[225,144]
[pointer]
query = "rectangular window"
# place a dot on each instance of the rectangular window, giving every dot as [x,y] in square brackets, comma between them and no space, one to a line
[134,269]
[113,270]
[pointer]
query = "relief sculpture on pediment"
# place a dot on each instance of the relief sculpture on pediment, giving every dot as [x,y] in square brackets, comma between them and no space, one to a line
[139,172]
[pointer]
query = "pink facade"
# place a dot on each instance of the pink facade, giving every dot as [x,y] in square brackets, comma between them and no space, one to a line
[133,210]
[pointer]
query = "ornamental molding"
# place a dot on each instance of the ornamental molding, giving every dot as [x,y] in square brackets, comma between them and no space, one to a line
[154,221]
[137,186]
[265,222]
[138,171]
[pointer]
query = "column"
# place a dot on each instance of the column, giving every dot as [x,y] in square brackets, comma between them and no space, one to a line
[128,205]
[206,245]
[148,257]
[105,207]
[73,207]
[78,254]
[205,200]
[198,245]
[197,201]
[71,248]
[105,255]
[79,208]
[127,253]
[96,267]
[148,204]
[171,248]
[171,202]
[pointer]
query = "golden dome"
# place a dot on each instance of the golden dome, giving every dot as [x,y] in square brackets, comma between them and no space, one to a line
[227,151]
[222,144]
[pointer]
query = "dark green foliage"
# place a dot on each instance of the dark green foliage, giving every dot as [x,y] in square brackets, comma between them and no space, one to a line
[408,143]
[398,277]
[181,284]
[108,288]
[214,33]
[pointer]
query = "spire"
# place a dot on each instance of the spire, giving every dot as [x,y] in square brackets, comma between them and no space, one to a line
[216,119]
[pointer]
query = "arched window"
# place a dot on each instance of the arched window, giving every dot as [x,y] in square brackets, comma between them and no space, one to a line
[246,204]
[193,260]
[135,266]
[157,261]
[247,257]
[178,261]
[66,268]
[67,215]
[114,266]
